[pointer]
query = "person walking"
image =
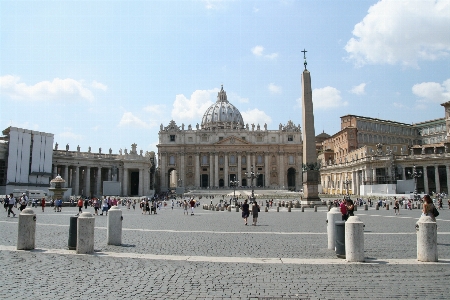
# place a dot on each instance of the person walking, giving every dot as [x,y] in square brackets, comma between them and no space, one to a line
[23,203]
[255,211]
[343,208]
[185,207]
[43,204]
[80,206]
[96,206]
[192,203]
[245,211]
[104,207]
[11,204]
[396,207]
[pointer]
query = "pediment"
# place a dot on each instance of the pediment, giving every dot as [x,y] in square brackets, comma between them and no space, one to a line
[232,140]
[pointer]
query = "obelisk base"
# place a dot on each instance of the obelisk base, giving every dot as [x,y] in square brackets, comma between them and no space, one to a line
[311,188]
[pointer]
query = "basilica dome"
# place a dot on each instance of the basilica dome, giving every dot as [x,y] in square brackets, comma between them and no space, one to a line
[222,114]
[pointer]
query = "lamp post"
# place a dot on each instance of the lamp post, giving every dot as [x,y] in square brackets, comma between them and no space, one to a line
[234,184]
[252,175]
[346,183]
[415,174]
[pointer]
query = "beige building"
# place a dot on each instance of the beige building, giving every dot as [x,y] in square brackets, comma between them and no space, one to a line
[223,148]
[385,156]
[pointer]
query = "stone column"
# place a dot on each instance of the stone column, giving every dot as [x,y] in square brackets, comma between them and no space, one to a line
[403,173]
[447,168]
[266,170]
[163,168]
[211,169]
[436,179]
[77,181]
[141,182]
[353,183]
[109,174]
[216,169]
[182,174]
[374,175]
[225,169]
[281,169]
[425,180]
[239,171]
[99,182]
[197,169]
[125,182]
[66,176]
[87,176]
[249,162]
[55,172]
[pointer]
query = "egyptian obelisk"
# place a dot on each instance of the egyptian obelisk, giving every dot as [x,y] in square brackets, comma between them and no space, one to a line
[310,166]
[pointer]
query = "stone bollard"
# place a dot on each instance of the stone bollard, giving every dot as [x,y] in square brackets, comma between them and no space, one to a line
[303,209]
[390,203]
[332,216]
[340,238]
[354,239]
[278,209]
[377,207]
[237,209]
[85,233]
[329,207]
[419,206]
[387,206]
[266,209]
[26,234]
[229,208]
[114,227]
[72,242]
[355,208]
[217,208]
[315,208]
[426,240]
[366,207]
[406,206]
[222,208]
[289,208]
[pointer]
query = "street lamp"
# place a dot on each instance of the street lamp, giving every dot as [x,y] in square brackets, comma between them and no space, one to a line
[252,175]
[346,183]
[415,174]
[234,184]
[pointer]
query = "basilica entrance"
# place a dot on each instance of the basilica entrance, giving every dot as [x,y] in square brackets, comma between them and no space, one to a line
[134,183]
[291,179]
[204,182]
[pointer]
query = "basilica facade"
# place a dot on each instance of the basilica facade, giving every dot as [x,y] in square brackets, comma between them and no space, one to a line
[223,148]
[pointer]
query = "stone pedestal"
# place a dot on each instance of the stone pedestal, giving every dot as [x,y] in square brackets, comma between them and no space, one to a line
[26,236]
[311,188]
[85,233]
[427,240]
[114,227]
[354,240]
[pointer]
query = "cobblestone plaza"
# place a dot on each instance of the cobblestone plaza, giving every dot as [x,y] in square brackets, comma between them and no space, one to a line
[212,255]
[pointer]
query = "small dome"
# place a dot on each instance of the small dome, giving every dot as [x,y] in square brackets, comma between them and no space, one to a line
[222,114]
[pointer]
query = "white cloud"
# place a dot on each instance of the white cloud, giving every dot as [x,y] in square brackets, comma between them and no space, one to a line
[327,97]
[402,32]
[235,98]
[256,116]
[98,85]
[130,120]
[274,89]
[258,51]
[68,135]
[398,105]
[58,89]
[359,89]
[214,4]
[432,92]
[193,108]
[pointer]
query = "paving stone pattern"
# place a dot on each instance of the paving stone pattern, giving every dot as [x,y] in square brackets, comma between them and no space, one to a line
[40,275]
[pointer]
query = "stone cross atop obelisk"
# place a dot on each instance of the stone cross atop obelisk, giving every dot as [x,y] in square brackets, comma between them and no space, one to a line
[310,170]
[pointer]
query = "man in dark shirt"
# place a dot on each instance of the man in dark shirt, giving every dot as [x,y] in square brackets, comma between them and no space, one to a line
[245,211]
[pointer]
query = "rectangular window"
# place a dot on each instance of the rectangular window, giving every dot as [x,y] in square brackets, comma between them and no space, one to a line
[172,138]
[259,139]
[273,139]
[244,160]
[190,140]
[290,138]
[232,159]
[220,138]
[204,138]
[243,138]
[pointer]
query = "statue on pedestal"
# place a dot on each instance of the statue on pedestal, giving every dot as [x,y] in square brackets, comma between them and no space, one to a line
[56,146]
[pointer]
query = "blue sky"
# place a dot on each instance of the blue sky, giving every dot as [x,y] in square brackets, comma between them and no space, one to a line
[108,73]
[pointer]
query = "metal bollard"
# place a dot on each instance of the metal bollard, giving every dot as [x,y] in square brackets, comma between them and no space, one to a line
[85,233]
[426,240]
[26,234]
[332,216]
[340,238]
[73,233]
[114,233]
[354,239]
